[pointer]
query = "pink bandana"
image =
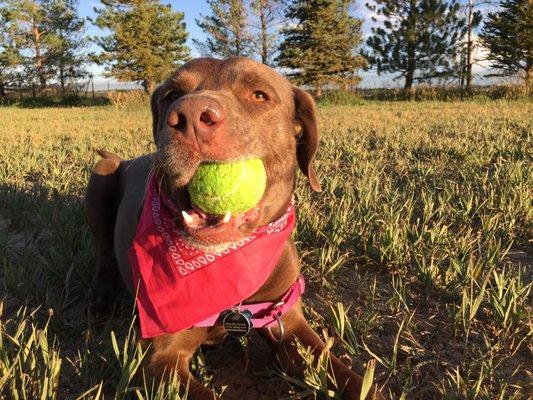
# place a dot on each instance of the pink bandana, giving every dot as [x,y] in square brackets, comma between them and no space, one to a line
[179,285]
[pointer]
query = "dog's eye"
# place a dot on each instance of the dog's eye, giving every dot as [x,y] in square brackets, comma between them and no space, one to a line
[172,95]
[259,96]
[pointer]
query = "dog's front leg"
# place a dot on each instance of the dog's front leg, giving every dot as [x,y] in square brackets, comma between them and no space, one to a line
[101,201]
[174,352]
[296,329]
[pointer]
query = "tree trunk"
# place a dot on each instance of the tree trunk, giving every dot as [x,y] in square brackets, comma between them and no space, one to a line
[411,66]
[62,75]
[149,86]
[62,78]
[469,46]
[3,94]
[62,64]
[19,84]
[462,74]
[318,91]
[38,61]
[40,69]
[411,54]
[238,26]
[264,33]
[408,86]
[527,73]
[238,34]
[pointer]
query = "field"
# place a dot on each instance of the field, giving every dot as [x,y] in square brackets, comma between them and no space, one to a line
[418,255]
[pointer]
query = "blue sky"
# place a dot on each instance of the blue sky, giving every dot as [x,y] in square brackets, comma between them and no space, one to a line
[192,10]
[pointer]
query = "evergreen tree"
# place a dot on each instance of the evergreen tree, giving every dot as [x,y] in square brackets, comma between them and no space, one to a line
[28,27]
[68,43]
[267,13]
[146,43]
[508,35]
[9,57]
[226,29]
[319,48]
[418,38]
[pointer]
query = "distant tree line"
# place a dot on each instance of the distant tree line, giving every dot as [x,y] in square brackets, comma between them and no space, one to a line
[317,43]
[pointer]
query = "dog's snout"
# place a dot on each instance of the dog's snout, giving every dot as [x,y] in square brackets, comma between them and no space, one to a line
[197,119]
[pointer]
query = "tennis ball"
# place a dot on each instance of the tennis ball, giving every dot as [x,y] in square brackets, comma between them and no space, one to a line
[221,187]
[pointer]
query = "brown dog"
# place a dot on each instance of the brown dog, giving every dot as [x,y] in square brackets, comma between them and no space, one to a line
[214,110]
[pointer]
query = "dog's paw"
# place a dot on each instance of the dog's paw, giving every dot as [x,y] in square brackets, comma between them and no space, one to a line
[101,299]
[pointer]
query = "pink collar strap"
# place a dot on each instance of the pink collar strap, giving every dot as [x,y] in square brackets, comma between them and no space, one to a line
[265,314]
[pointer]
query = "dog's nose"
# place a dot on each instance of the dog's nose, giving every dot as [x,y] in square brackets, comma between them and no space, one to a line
[210,117]
[197,119]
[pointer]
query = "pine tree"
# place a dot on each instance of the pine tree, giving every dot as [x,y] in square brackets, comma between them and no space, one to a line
[68,43]
[27,25]
[418,38]
[508,35]
[226,30]
[45,40]
[9,57]
[319,48]
[146,43]
[267,13]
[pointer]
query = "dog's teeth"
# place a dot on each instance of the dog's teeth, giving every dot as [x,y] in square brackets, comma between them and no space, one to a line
[226,218]
[187,218]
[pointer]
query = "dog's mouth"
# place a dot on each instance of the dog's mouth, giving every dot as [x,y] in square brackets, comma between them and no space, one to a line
[210,229]
[201,228]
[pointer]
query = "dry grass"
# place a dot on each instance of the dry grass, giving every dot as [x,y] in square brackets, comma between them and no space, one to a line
[418,255]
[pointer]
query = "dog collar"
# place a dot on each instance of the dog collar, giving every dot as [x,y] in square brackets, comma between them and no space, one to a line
[262,315]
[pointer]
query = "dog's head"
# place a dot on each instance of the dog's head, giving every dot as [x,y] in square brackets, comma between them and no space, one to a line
[227,110]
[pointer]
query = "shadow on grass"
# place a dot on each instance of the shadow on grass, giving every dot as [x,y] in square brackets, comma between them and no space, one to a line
[46,266]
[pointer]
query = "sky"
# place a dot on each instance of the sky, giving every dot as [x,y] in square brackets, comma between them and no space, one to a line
[193,9]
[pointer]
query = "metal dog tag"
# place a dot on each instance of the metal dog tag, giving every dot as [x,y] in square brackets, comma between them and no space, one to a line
[236,323]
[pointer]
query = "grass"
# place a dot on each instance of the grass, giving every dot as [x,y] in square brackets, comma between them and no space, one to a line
[418,256]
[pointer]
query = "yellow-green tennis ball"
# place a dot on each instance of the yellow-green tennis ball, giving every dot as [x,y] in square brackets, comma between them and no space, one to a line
[221,187]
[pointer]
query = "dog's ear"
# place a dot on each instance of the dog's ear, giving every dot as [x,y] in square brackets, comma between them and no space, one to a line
[306,135]
[154,103]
